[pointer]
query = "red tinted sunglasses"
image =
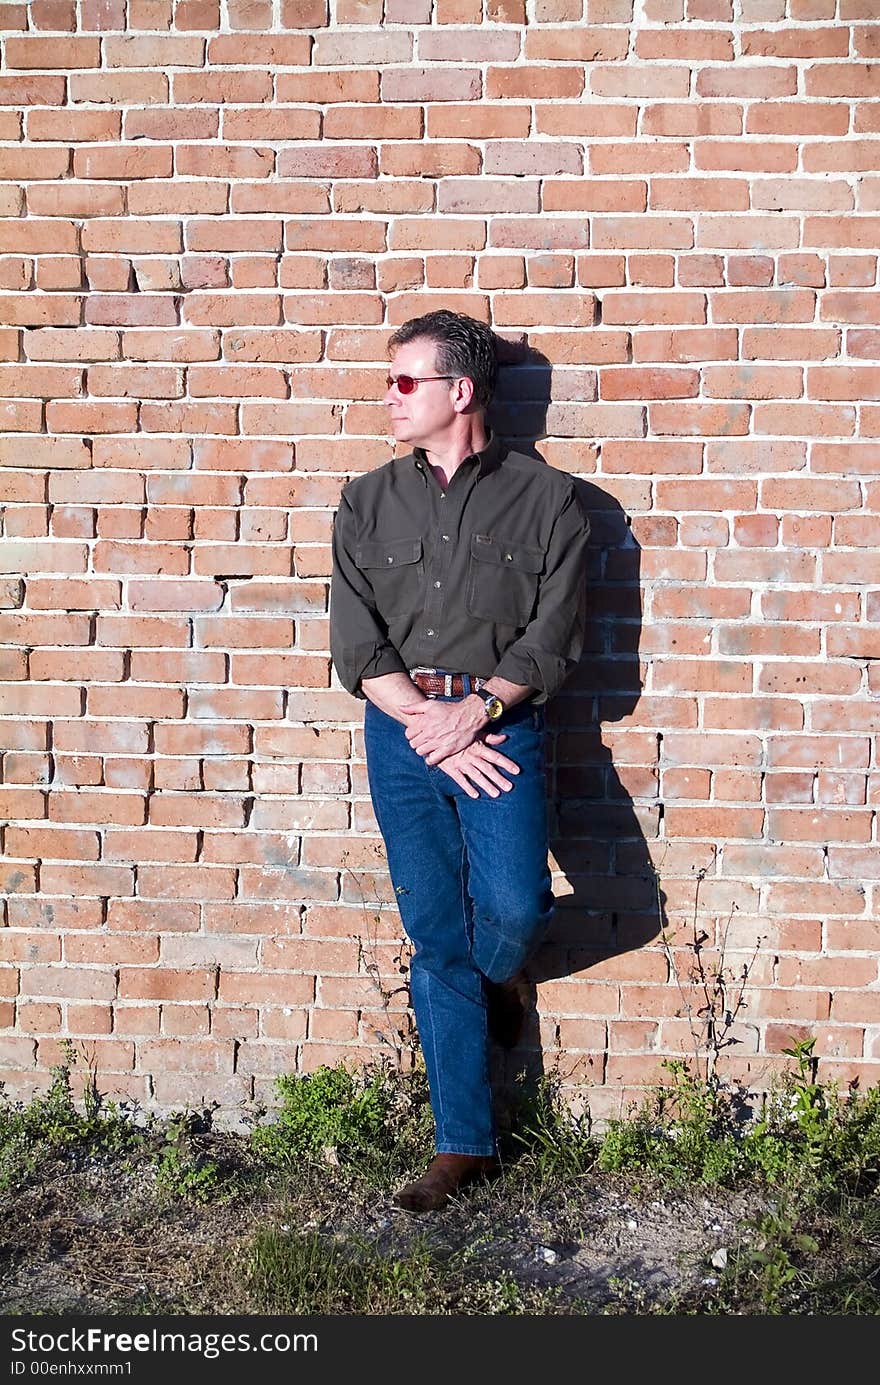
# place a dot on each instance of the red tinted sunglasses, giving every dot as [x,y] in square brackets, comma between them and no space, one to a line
[407,383]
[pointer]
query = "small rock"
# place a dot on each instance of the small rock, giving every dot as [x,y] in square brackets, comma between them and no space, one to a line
[632,1224]
[719,1259]
[546,1254]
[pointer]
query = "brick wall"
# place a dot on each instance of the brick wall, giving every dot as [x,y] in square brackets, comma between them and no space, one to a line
[212,215]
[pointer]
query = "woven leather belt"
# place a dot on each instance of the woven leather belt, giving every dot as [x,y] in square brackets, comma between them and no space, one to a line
[434,682]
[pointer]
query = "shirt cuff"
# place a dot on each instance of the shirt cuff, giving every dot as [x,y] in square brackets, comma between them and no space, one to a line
[373,663]
[536,668]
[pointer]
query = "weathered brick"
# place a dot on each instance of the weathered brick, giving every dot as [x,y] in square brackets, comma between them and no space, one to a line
[693,253]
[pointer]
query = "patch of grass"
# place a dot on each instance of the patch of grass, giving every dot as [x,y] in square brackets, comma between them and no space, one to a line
[685,1131]
[789,1261]
[549,1142]
[51,1124]
[813,1136]
[291,1272]
[808,1162]
[184,1171]
[814,1248]
[808,1135]
[307,1273]
[375,1122]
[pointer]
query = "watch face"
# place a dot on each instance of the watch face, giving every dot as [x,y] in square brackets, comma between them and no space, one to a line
[495,707]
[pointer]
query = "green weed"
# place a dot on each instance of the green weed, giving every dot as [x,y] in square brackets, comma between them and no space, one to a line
[375,1122]
[548,1139]
[809,1157]
[51,1124]
[686,1131]
[290,1272]
[807,1134]
[307,1273]
[182,1170]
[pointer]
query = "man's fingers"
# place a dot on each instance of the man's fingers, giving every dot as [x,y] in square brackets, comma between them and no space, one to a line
[503,763]
[458,777]
[499,781]
[494,757]
[477,777]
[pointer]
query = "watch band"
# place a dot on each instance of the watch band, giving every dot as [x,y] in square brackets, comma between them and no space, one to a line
[491,702]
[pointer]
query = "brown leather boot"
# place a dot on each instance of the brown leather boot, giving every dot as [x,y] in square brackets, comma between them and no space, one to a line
[446,1175]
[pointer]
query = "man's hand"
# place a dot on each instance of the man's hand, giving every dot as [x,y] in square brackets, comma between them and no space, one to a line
[440,729]
[478,766]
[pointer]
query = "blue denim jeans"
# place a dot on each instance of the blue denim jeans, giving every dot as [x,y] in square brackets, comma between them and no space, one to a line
[472,883]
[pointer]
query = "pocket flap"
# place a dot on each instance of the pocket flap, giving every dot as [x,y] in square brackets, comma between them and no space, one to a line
[506,553]
[388,552]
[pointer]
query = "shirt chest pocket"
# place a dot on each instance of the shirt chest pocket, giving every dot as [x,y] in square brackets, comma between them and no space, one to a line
[502,580]
[395,570]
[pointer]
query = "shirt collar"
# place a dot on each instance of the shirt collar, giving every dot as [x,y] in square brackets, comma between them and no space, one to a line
[488,459]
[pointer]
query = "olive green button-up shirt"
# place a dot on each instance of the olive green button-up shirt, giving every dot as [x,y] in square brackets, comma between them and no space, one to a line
[485,577]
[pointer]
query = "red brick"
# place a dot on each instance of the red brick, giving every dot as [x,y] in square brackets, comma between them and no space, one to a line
[525,83]
[644,383]
[426,84]
[699,419]
[774,713]
[37,1017]
[582,118]
[569,310]
[482,121]
[42,53]
[68,982]
[688,42]
[373,123]
[624,307]
[593,194]
[843,79]
[630,82]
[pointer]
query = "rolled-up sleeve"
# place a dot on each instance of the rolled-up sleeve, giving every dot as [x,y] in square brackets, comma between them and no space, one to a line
[551,644]
[359,644]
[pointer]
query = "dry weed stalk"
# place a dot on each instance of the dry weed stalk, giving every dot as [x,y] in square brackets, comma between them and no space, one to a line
[713,992]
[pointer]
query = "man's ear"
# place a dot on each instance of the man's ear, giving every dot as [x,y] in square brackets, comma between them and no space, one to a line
[464,394]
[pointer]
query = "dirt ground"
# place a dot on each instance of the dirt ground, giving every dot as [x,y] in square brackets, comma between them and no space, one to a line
[94,1235]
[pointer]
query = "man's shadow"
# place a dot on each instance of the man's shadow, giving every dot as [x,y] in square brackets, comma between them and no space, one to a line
[608,900]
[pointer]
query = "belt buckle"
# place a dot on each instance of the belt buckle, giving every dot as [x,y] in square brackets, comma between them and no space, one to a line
[431,672]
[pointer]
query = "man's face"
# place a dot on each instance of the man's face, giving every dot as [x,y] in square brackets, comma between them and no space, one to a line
[426,414]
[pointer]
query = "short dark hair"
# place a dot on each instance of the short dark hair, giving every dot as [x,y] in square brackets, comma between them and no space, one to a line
[464,347]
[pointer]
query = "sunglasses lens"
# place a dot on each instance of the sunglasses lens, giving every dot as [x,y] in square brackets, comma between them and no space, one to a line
[405,384]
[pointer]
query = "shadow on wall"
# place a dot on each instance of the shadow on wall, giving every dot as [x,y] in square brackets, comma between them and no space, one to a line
[610,902]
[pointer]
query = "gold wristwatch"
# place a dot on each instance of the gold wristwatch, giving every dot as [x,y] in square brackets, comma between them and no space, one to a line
[492,702]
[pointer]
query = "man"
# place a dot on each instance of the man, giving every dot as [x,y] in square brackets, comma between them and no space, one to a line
[456,611]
